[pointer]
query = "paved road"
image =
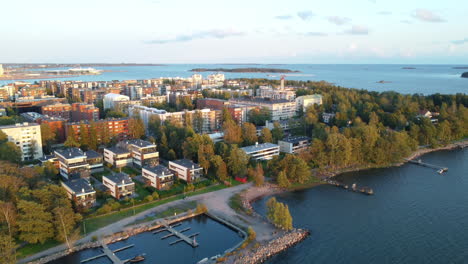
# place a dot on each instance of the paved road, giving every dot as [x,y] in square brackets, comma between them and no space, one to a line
[217,201]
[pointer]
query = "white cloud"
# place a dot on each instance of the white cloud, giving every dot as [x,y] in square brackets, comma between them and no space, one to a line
[384,13]
[338,20]
[284,17]
[315,34]
[214,33]
[460,41]
[305,15]
[427,16]
[357,30]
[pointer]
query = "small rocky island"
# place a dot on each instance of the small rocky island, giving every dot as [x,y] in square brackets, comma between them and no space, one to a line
[266,70]
[408,68]
[464,75]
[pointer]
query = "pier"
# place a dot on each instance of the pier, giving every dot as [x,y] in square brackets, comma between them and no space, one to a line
[109,253]
[353,188]
[182,237]
[439,169]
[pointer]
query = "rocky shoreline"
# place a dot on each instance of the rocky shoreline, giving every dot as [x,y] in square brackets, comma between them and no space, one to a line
[266,251]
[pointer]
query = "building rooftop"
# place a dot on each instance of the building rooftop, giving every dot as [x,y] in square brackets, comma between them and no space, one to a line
[91,154]
[139,143]
[311,96]
[159,170]
[260,100]
[118,150]
[31,116]
[186,163]
[25,124]
[295,139]
[47,158]
[259,147]
[70,153]
[120,178]
[79,186]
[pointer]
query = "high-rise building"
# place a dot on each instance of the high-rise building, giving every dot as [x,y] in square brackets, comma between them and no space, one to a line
[27,137]
[1,70]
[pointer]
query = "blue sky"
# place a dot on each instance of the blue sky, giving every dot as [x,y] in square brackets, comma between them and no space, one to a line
[220,31]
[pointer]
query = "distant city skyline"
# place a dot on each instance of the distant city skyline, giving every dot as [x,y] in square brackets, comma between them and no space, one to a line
[209,31]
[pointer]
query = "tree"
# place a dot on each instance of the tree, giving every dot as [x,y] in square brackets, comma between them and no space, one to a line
[71,142]
[136,128]
[251,234]
[237,161]
[232,133]
[282,180]
[47,135]
[7,249]
[65,221]
[257,175]
[277,132]
[278,214]
[34,223]
[220,166]
[10,152]
[266,135]
[249,134]
[259,116]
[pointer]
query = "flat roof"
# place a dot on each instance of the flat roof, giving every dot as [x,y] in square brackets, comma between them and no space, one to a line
[259,147]
[25,124]
[159,170]
[92,154]
[79,186]
[139,143]
[70,153]
[186,163]
[295,139]
[260,100]
[119,178]
[118,150]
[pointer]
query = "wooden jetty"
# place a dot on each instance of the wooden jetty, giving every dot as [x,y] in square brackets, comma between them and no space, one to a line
[178,234]
[419,162]
[109,253]
[354,187]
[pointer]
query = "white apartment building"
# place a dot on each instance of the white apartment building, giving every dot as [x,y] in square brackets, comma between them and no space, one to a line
[264,151]
[186,169]
[276,94]
[81,192]
[159,176]
[118,157]
[279,109]
[110,99]
[143,152]
[293,145]
[71,161]
[27,136]
[119,185]
[302,102]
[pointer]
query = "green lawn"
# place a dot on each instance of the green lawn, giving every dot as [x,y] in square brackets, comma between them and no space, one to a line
[141,190]
[131,171]
[30,249]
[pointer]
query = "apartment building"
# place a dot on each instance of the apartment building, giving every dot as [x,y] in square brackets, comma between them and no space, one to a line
[72,161]
[158,176]
[27,136]
[264,151]
[119,185]
[186,170]
[111,128]
[278,109]
[80,111]
[143,152]
[295,144]
[118,157]
[302,102]
[110,99]
[57,110]
[81,192]
[95,161]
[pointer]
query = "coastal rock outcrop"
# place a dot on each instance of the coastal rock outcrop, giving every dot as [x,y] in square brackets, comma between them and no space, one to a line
[464,75]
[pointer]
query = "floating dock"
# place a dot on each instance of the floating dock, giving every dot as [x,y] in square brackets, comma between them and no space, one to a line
[109,253]
[419,162]
[179,234]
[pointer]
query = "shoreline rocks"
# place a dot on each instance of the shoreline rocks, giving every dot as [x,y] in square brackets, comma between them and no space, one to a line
[464,75]
[268,250]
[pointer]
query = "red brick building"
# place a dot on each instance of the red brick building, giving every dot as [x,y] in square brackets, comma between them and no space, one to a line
[57,110]
[56,124]
[82,111]
[110,128]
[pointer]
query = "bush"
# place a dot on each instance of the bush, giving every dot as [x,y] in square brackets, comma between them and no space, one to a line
[94,238]
[201,208]
[155,196]
[251,234]
[104,209]
[149,198]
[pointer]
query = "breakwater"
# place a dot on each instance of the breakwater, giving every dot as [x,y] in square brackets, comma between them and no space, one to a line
[273,247]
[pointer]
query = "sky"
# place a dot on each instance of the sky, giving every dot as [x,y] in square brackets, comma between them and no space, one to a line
[240,31]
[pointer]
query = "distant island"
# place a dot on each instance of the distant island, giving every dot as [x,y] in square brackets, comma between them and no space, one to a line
[464,75]
[269,70]
[460,68]
[382,81]
[408,68]
[74,65]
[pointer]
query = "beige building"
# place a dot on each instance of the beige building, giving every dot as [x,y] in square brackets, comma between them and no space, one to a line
[27,136]
[302,102]
[279,109]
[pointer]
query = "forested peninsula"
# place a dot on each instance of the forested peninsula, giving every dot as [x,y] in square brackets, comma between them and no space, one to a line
[266,70]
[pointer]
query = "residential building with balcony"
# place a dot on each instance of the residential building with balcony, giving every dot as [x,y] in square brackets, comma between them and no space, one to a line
[119,185]
[280,109]
[95,161]
[302,102]
[80,192]
[71,161]
[57,110]
[27,136]
[143,152]
[186,170]
[264,151]
[80,111]
[159,177]
[118,157]
[110,99]
[293,145]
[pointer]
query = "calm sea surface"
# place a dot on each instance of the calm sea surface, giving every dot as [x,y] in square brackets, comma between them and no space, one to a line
[426,79]
[415,216]
[214,239]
